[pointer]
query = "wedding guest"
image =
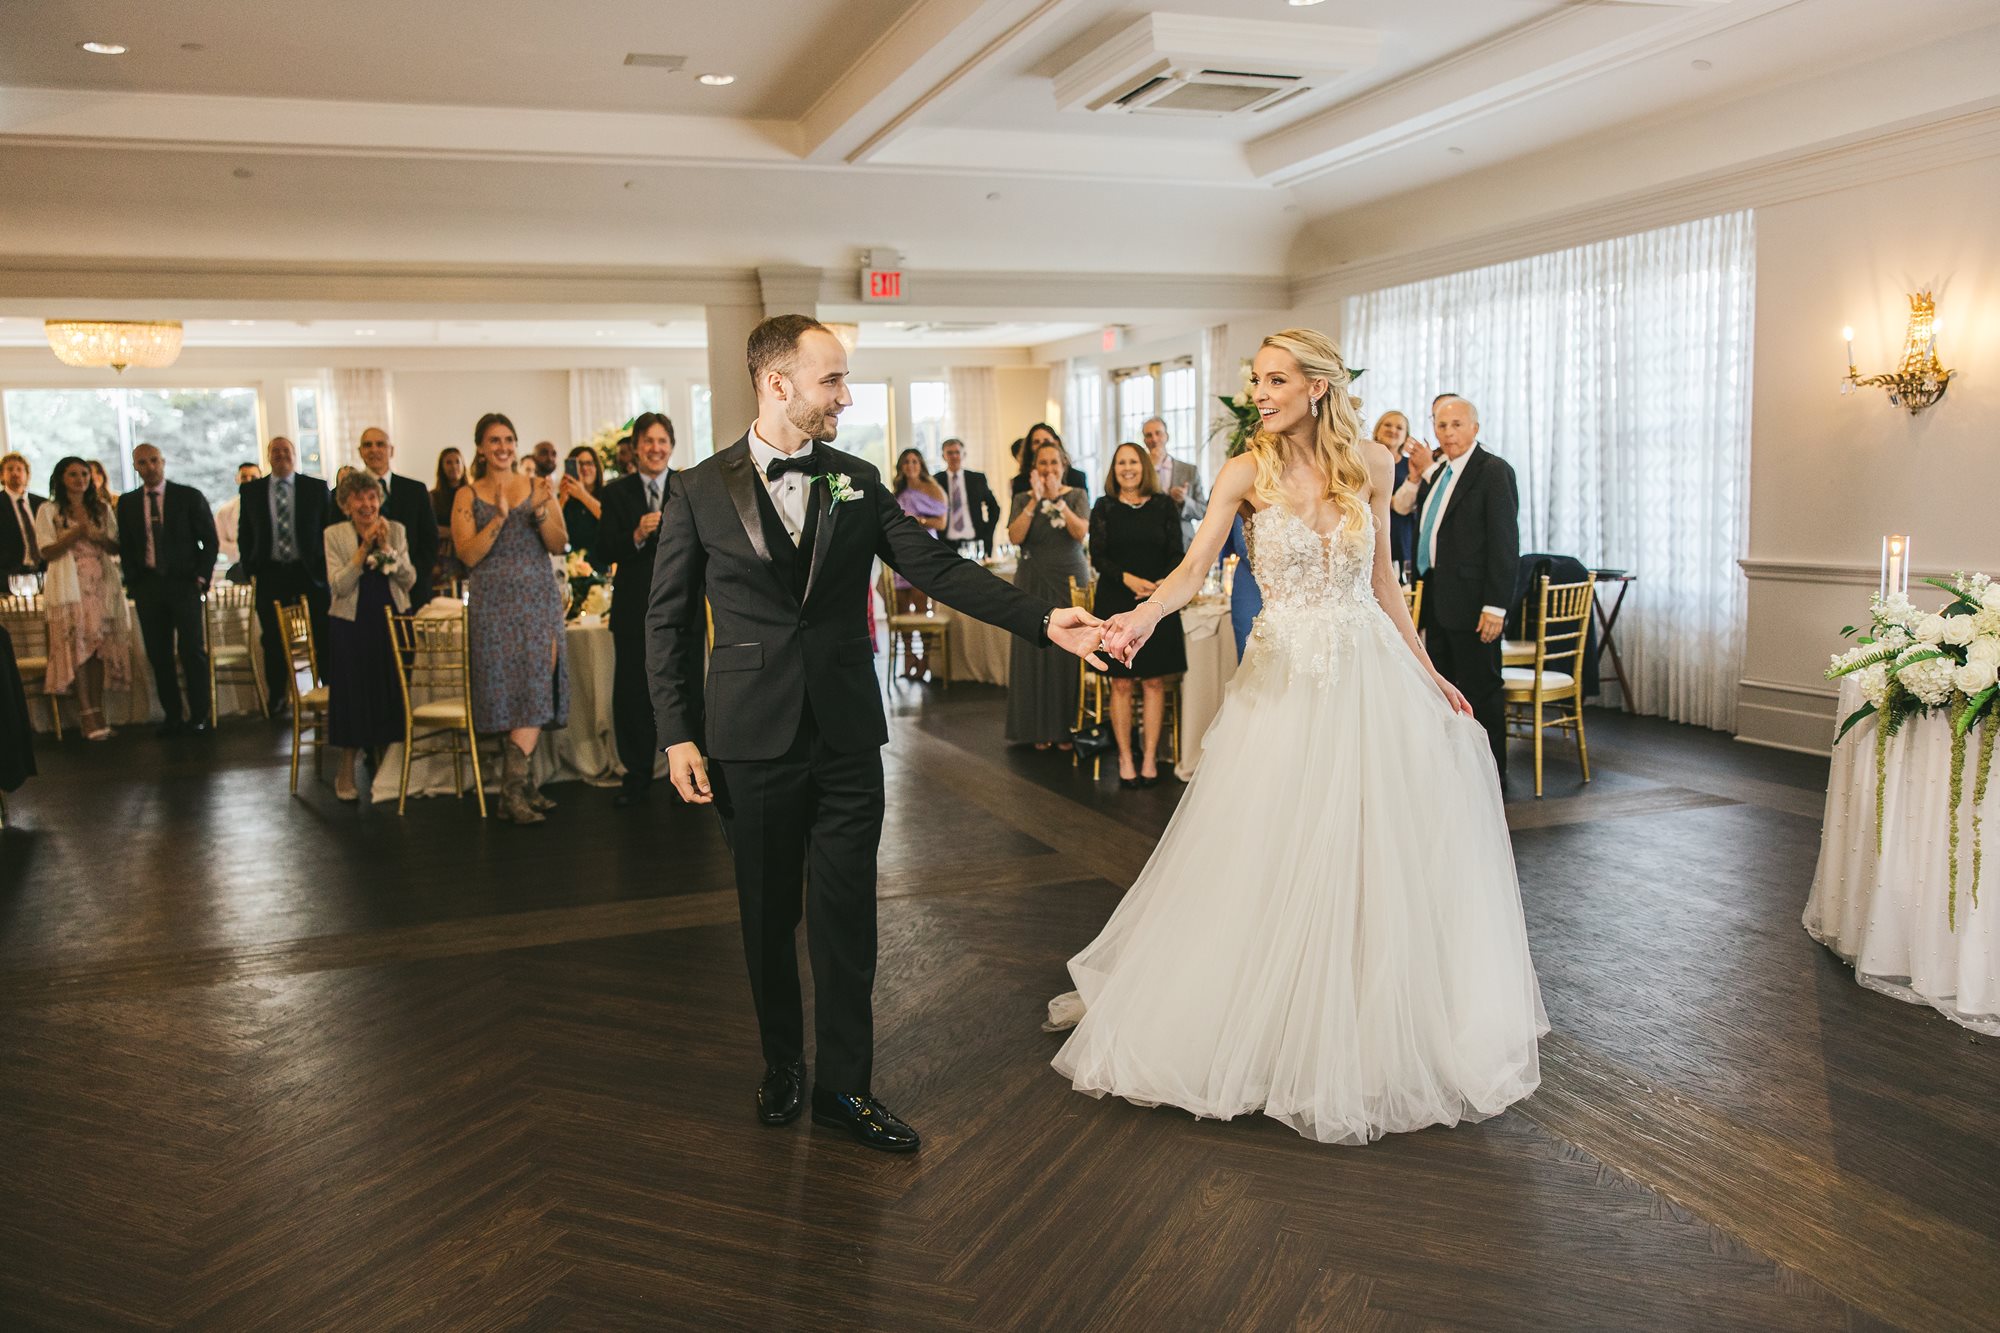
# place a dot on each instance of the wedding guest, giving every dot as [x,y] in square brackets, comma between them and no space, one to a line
[581,489]
[406,502]
[1049,523]
[505,527]
[226,518]
[367,566]
[450,476]
[20,553]
[1135,541]
[628,537]
[624,453]
[924,500]
[1392,431]
[166,543]
[544,458]
[1040,434]
[971,512]
[78,534]
[1179,480]
[284,549]
[102,482]
[1468,551]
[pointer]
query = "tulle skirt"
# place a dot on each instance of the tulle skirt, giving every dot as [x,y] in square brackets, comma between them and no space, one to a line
[1330,929]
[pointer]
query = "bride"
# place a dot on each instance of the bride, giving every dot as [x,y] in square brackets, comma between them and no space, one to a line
[1298,942]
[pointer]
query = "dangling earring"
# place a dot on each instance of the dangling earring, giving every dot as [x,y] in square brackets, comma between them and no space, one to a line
[1315,406]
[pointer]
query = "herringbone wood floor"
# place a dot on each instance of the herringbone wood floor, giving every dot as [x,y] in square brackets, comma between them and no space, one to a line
[284,1064]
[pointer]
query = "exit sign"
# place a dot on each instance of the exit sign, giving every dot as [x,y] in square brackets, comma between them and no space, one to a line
[881,284]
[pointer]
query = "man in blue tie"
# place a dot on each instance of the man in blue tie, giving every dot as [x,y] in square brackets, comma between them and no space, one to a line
[1468,550]
[281,530]
[628,537]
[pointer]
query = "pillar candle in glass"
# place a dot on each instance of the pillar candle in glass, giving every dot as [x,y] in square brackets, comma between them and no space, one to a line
[1895,564]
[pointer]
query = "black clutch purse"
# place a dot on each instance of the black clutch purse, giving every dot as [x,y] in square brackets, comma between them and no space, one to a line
[1093,739]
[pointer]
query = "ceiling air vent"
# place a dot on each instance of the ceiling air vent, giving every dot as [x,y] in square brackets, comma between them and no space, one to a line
[1191,65]
[644,60]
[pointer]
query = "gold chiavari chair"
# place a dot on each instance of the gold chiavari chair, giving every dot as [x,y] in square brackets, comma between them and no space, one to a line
[1413,598]
[27,621]
[309,700]
[226,613]
[433,660]
[1556,676]
[931,628]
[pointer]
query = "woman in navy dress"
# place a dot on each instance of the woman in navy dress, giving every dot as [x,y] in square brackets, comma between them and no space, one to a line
[504,528]
[367,569]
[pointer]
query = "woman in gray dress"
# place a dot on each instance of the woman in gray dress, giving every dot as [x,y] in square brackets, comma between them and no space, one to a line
[504,527]
[1048,523]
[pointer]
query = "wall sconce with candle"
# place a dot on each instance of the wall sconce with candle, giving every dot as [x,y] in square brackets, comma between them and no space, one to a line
[1922,378]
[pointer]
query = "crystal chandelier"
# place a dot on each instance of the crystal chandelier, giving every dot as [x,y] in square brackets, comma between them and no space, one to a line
[114,343]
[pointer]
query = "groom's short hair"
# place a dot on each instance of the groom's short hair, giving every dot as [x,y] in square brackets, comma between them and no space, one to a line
[775,342]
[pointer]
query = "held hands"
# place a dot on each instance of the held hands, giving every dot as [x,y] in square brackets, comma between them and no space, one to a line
[1077,632]
[1490,626]
[1126,633]
[690,773]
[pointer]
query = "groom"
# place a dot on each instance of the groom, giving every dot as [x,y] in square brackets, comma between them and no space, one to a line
[779,533]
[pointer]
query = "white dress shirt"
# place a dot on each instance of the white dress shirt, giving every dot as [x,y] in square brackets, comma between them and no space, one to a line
[1440,500]
[958,508]
[788,492]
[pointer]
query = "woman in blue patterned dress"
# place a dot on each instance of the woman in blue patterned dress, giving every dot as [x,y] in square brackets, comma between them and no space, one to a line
[504,528]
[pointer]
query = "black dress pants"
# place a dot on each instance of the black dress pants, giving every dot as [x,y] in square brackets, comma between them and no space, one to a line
[804,830]
[286,583]
[632,706]
[169,611]
[1474,667]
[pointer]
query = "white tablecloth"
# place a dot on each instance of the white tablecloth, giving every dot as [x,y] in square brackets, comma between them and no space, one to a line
[980,651]
[1887,916]
[139,703]
[1211,659]
[585,750]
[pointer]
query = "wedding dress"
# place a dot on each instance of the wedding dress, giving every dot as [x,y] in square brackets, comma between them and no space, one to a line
[1330,929]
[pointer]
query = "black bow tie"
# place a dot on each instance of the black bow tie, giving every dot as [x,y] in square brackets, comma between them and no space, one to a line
[806,462]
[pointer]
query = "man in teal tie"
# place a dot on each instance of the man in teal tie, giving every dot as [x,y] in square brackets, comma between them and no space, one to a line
[1468,550]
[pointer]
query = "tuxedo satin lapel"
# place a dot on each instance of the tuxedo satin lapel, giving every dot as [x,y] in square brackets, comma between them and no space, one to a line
[829,513]
[739,478]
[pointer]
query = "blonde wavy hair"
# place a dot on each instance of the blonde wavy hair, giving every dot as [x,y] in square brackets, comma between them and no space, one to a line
[1336,438]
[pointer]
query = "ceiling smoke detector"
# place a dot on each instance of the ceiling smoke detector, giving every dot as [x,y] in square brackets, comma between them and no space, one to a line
[1191,65]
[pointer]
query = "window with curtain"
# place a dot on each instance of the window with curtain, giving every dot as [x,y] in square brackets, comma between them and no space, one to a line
[701,425]
[868,428]
[302,403]
[1177,409]
[1134,394]
[1615,378]
[1083,428]
[930,405]
[203,433]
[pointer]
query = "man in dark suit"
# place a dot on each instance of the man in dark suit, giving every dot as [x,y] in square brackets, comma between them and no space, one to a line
[407,502]
[20,551]
[970,510]
[778,534]
[166,542]
[1468,549]
[281,527]
[628,536]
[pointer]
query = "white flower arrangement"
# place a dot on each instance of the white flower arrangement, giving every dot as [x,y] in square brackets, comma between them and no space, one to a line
[1913,662]
[576,567]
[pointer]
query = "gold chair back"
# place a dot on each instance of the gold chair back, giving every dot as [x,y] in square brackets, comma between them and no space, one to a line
[1413,598]
[227,612]
[1556,676]
[434,667]
[308,700]
[1565,627]
[26,617]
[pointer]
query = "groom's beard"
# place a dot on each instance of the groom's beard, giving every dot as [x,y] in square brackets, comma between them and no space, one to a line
[816,424]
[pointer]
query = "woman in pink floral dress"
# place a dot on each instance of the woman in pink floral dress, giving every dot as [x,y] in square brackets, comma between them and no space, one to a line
[78,534]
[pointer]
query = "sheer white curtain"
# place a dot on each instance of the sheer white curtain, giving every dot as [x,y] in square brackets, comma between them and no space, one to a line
[600,398]
[1213,379]
[1616,379]
[350,401]
[972,413]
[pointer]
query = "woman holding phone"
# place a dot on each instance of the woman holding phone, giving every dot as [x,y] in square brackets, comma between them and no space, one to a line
[582,489]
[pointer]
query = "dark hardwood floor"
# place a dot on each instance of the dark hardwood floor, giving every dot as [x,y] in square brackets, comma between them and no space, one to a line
[270,1063]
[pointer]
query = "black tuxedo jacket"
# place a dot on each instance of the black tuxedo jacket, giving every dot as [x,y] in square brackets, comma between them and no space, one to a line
[255,536]
[979,502]
[783,634]
[13,545]
[409,503]
[623,503]
[186,545]
[1476,550]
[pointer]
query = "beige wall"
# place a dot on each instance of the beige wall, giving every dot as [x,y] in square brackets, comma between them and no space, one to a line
[434,409]
[1831,474]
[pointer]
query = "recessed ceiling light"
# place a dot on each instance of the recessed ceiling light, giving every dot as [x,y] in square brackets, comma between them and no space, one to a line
[193,46]
[993,198]
[718,80]
[243,173]
[242,323]
[1301,4]
[1456,152]
[364,333]
[1702,64]
[103,48]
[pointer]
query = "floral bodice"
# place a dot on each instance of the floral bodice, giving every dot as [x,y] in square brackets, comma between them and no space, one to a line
[1317,589]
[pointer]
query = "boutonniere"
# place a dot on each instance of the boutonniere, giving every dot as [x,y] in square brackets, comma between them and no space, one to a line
[839,486]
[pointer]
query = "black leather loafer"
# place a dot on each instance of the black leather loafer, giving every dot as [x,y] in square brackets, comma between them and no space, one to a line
[782,1094]
[870,1123]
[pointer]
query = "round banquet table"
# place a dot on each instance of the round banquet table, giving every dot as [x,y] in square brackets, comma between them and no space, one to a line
[139,702]
[585,750]
[1211,665]
[1886,916]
